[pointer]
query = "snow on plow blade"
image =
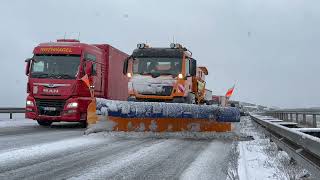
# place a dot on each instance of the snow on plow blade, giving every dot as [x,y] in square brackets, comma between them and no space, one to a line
[165,117]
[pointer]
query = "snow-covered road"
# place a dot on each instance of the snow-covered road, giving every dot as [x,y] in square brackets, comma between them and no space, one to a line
[61,152]
[28,151]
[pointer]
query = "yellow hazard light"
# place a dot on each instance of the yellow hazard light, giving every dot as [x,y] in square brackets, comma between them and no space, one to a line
[180,76]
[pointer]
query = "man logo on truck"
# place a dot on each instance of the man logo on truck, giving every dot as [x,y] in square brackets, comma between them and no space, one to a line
[51,90]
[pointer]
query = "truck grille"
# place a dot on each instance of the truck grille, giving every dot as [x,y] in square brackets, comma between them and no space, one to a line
[167,90]
[50,107]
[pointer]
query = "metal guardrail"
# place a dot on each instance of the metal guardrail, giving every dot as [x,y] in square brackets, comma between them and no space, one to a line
[300,146]
[287,114]
[11,110]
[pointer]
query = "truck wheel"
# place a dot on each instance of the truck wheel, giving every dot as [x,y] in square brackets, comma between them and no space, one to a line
[44,123]
[83,124]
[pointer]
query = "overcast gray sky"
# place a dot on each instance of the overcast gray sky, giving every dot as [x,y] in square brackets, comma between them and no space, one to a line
[269,48]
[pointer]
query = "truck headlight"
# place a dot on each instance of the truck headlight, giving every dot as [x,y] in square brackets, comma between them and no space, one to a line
[29,103]
[129,75]
[72,105]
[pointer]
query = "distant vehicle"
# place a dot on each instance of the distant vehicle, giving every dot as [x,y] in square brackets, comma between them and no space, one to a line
[165,74]
[56,92]
[238,105]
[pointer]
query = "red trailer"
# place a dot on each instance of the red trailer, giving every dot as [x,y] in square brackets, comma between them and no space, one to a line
[55,90]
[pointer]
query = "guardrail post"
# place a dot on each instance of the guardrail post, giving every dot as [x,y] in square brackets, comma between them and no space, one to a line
[291,117]
[297,118]
[10,115]
[314,120]
[304,120]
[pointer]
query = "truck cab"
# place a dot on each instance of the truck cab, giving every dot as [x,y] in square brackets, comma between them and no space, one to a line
[163,74]
[55,89]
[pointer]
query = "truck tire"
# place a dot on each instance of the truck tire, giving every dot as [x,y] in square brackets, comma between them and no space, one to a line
[44,123]
[83,124]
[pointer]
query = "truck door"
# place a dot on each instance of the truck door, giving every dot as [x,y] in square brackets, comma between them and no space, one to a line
[96,72]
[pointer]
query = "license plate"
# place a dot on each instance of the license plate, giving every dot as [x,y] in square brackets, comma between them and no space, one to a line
[49,108]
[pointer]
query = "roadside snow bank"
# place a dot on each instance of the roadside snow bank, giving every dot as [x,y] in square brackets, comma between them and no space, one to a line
[261,159]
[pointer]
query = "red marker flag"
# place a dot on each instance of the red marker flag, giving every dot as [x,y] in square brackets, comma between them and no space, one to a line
[85,79]
[229,92]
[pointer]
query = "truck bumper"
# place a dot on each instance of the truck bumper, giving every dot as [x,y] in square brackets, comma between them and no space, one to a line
[67,117]
[75,114]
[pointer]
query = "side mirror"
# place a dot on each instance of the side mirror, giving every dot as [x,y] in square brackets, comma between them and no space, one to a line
[125,65]
[28,61]
[27,70]
[193,67]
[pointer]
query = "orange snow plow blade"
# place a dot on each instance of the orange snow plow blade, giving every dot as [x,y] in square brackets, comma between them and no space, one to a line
[168,124]
[92,117]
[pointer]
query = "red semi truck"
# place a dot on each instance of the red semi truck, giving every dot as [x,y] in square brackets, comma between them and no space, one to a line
[55,89]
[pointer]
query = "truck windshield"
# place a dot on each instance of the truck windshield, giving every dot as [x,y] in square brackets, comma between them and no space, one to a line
[161,66]
[55,66]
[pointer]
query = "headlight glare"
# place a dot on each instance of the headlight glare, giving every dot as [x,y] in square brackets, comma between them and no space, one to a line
[72,105]
[29,103]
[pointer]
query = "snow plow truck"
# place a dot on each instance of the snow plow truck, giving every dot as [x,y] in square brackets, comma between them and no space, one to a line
[165,75]
[166,93]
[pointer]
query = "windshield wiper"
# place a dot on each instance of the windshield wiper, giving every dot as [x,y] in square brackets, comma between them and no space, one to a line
[40,75]
[167,74]
[61,76]
[66,76]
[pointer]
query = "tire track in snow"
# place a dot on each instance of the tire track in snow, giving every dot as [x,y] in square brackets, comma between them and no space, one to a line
[22,130]
[77,162]
[12,142]
[128,165]
[176,163]
[210,164]
[43,152]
